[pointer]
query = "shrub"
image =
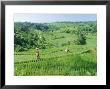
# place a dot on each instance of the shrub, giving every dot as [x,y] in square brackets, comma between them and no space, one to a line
[81,40]
[18,48]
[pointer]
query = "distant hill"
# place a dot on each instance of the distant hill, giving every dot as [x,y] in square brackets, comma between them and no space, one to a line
[49,26]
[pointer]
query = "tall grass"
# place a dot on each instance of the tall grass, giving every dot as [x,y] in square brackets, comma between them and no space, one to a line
[69,65]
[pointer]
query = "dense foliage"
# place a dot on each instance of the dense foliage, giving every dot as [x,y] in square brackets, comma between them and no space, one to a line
[31,35]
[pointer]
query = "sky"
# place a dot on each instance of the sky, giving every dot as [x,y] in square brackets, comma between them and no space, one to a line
[47,18]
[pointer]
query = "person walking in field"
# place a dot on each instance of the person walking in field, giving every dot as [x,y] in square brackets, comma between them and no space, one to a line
[37,54]
[67,50]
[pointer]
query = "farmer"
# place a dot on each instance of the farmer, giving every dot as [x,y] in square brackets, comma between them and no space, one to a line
[37,54]
[67,50]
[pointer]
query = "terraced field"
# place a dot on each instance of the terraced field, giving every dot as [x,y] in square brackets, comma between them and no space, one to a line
[81,60]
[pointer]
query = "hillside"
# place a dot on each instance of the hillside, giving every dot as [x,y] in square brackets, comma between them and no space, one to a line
[52,39]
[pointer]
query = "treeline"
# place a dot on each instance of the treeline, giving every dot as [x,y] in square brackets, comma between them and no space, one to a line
[27,36]
[26,26]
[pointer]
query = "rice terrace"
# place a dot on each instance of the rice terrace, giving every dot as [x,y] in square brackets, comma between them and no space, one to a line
[55,45]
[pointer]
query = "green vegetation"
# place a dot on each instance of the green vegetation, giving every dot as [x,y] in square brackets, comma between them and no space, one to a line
[52,39]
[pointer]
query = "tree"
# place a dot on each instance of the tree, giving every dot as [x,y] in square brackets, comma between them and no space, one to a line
[81,39]
[42,42]
[81,36]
